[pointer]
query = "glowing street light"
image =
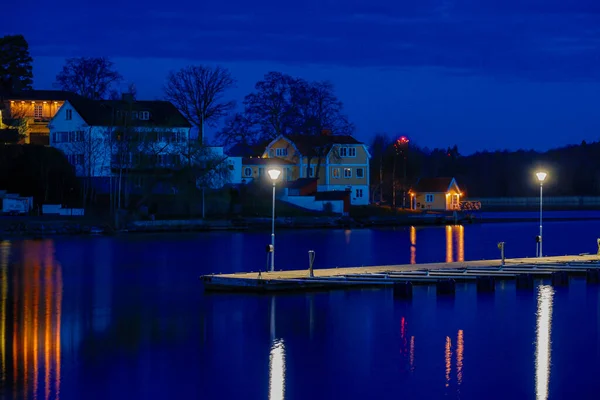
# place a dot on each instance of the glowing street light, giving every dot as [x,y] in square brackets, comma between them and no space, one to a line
[274,175]
[541,176]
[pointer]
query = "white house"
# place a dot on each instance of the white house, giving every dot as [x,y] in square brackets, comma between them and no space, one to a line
[100,137]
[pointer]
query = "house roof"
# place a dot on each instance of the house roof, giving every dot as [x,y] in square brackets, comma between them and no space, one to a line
[332,195]
[112,112]
[265,161]
[308,145]
[301,183]
[41,95]
[434,185]
[247,150]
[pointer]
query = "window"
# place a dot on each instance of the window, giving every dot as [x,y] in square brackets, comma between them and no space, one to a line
[360,172]
[248,171]
[310,172]
[134,115]
[37,111]
[359,193]
[281,152]
[288,174]
[336,173]
[261,171]
[67,137]
[347,151]
[429,198]
[145,115]
[347,172]
[69,114]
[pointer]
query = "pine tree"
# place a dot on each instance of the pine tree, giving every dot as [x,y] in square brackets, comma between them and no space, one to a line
[16,71]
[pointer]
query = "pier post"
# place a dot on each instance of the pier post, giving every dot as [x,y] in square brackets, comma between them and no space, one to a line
[501,247]
[525,281]
[486,284]
[560,278]
[446,286]
[403,290]
[592,275]
[311,260]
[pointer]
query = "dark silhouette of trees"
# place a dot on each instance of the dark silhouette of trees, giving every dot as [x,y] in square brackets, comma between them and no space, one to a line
[16,71]
[197,91]
[90,77]
[573,170]
[38,171]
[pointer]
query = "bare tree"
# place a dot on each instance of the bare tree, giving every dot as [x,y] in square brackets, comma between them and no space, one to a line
[238,129]
[91,77]
[91,151]
[197,91]
[202,168]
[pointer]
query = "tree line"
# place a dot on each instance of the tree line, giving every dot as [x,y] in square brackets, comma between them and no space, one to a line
[573,170]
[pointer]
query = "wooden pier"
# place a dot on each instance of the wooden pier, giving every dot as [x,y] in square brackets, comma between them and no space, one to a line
[483,273]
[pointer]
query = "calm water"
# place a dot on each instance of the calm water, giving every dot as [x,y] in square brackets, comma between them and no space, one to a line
[125,317]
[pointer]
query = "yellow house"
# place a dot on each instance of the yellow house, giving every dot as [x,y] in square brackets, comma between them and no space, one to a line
[435,194]
[340,162]
[35,108]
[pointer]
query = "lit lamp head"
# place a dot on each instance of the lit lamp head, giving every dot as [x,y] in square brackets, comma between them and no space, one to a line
[541,176]
[274,173]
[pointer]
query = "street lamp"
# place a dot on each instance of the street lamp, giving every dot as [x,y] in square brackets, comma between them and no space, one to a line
[274,175]
[541,177]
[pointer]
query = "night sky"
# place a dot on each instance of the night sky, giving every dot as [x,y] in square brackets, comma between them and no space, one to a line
[482,74]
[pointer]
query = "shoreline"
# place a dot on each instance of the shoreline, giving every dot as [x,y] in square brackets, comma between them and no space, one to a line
[22,227]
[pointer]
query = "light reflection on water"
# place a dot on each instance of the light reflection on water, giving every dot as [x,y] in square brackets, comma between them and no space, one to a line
[543,341]
[454,243]
[35,332]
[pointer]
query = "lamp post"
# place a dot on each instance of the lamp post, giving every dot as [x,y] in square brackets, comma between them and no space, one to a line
[541,177]
[274,175]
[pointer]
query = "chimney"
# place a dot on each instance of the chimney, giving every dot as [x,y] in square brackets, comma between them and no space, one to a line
[326,132]
[127,97]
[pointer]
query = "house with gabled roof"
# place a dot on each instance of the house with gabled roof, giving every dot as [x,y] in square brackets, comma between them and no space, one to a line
[100,137]
[337,162]
[440,193]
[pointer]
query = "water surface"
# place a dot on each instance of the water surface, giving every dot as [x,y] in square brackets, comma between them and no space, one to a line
[125,317]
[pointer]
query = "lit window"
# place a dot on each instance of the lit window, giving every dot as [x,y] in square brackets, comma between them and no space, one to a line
[336,173]
[37,111]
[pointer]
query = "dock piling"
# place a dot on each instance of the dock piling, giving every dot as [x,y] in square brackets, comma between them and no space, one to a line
[560,278]
[311,260]
[403,290]
[502,259]
[525,281]
[446,286]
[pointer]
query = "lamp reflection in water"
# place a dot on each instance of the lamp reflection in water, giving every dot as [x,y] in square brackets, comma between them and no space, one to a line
[413,245]
[542,343]
[276,362]
[455,236]
[36,325]
[407,346]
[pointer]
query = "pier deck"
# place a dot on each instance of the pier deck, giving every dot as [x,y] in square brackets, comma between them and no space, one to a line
[364,276]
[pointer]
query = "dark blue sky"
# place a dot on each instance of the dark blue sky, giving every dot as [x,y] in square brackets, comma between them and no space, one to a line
[482,74]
